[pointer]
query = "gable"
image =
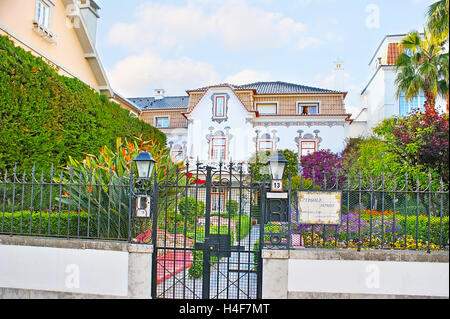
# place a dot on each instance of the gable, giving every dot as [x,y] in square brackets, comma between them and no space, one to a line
[204,107]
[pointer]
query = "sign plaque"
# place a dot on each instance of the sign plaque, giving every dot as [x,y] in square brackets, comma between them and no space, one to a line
[323,208]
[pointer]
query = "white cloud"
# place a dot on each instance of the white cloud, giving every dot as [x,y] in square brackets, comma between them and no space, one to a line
[343,82]
[309,42]
[248,76]
[138,75]
[231,23]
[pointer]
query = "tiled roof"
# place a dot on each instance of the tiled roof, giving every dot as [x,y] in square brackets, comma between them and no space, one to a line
[170,102]
[273,88]
[393,53]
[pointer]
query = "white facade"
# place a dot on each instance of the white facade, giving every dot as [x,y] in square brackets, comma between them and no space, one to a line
[379,98]
[244,132]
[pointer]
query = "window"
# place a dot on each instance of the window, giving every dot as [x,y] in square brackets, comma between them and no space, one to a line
[307,147]
[217,200]
[43,14]
[218,149]
[308,109]
[265,145]
[415,104]
[219,106]
[162,122]
[267,108]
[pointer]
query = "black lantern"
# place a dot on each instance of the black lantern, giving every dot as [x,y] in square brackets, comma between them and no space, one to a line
[145,164]
[277,164]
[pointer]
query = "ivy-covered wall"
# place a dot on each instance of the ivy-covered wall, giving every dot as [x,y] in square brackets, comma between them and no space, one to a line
[46,117]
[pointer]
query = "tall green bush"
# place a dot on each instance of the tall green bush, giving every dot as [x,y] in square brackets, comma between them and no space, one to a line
[190,207]
[46,117]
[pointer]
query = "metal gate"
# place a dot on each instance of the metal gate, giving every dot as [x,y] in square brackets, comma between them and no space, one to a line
[206,235]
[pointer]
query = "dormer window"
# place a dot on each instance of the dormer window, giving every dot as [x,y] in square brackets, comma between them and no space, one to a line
[308,108]
[220,107]
[162,121]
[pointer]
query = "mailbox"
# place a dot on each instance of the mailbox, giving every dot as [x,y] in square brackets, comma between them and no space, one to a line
[143,206]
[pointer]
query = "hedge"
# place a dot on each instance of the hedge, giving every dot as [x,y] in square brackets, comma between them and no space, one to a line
[59,224]
[46,117]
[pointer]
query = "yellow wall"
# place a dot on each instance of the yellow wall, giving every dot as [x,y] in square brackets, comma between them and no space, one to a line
[18,15]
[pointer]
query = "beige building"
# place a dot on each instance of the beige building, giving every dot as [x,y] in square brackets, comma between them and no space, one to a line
[63,33]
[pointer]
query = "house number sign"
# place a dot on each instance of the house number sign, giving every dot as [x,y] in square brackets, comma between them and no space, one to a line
[277,185]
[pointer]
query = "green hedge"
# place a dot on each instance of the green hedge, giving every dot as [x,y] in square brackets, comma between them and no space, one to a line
[60,225]
[421,228]
[242,226]
[46,117]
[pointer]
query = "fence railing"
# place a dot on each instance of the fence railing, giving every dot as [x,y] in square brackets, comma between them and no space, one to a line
[375,214]
[65,205]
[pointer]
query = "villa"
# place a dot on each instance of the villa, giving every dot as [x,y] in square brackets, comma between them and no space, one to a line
[225,122]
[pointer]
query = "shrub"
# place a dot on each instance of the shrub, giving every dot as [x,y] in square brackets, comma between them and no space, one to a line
[243,226]
[232,207]
[46,117]
[51,224]
[191,208]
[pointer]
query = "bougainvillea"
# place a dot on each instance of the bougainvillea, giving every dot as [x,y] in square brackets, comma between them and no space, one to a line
[323,167]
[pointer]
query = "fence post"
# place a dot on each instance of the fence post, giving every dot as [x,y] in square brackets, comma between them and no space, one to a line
[206,252]
[130,204]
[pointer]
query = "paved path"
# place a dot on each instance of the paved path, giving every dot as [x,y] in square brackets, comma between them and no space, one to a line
[230,277]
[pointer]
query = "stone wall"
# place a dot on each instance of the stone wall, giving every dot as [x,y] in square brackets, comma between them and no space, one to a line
[321,273]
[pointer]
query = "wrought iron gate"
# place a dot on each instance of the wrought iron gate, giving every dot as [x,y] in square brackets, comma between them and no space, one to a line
[206,235]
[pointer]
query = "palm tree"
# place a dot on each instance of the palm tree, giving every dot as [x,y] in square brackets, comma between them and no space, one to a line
[438,18]
[422,67]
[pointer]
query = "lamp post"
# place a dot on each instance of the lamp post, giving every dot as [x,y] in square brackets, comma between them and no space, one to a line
[277,164]
[145,164]
[277,201]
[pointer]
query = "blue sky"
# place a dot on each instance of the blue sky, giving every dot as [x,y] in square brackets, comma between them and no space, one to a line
[184,44]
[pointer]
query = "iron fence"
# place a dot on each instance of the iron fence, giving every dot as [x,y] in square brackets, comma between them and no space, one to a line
[375,213]
[378,213]
[65,205]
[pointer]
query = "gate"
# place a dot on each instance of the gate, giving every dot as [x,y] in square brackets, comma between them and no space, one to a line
[206,234]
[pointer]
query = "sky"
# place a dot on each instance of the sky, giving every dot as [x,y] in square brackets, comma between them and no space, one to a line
[178,45]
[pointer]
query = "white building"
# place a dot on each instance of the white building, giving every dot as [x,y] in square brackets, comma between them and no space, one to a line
[379,99]
[231,122]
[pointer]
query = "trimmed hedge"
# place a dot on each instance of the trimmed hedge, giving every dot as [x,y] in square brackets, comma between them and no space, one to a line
[59,224]
[46,117]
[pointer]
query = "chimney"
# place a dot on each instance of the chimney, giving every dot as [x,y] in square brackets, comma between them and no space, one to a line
[159,94]
[89,11]
[338,75]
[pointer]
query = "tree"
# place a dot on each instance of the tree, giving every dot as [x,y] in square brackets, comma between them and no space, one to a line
[438,18]
[420,142]
[423,67]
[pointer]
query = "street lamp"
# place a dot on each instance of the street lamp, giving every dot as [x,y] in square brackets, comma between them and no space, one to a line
[277,164]
[145,164]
